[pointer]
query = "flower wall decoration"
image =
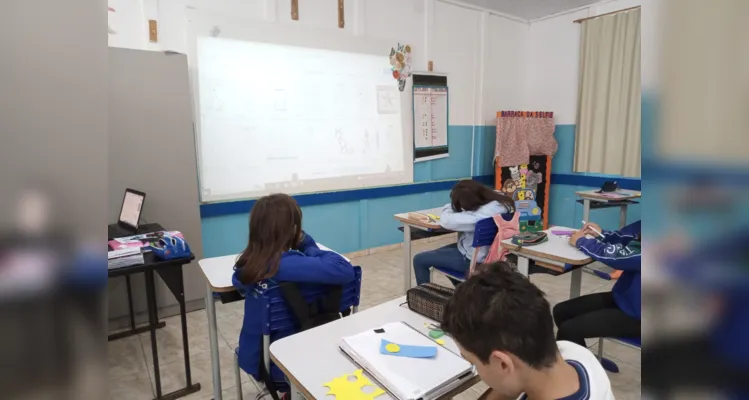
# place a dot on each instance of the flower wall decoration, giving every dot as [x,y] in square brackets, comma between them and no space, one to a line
[400,63]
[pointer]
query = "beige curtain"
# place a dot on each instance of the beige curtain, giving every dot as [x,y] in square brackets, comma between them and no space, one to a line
[608,113]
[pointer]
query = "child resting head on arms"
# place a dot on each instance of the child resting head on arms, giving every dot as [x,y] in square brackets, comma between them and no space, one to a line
[470,202]
[278,250]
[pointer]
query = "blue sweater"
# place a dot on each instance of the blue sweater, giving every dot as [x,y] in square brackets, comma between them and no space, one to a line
[308,265]
[620,250]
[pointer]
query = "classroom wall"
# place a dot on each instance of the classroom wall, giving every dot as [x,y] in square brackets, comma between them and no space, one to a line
[552,84]
[493,62]
[461,42]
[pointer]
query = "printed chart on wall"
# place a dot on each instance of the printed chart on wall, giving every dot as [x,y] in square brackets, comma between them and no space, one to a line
[430,100]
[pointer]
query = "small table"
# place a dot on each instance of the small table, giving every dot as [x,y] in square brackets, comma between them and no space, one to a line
[218,273]
[595,200]
[591,199]
[556,253]
[409,222]
[170,272]
[311,358]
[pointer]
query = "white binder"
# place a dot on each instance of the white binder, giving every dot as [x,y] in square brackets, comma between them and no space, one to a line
[407,378]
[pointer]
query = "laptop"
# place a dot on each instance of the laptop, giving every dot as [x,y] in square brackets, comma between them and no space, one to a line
[128,222]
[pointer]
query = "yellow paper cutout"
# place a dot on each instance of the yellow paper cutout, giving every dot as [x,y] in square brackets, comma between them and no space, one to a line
[440,342]
[343,389]
[392,348]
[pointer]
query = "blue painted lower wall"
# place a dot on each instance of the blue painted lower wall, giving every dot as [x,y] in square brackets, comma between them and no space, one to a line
[365,223]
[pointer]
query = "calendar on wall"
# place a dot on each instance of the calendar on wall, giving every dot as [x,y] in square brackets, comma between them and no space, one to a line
[430,108]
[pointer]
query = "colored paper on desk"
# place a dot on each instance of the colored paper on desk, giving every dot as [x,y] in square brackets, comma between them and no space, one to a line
[142,240]
[400,350]
[344,388]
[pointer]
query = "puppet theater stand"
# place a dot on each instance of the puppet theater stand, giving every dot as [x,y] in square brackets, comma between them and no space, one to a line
[528,184]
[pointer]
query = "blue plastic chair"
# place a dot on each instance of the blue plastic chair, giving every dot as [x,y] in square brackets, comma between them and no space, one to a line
[278,320]
[609,365]
[483,235]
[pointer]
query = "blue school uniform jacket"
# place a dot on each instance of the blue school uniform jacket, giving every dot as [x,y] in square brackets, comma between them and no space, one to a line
[307,264]
[620,250]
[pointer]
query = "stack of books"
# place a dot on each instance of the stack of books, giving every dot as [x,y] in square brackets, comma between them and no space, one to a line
[125,257]
[407,378]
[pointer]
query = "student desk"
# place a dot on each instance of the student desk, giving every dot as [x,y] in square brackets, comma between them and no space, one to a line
[593,199]
[555,254]
[170,272]
[409,222]
[311,358]
[218,272]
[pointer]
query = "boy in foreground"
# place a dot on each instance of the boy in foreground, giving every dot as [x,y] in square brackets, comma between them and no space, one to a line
[502,324]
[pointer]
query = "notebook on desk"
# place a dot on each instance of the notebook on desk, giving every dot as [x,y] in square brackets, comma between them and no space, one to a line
[407,378]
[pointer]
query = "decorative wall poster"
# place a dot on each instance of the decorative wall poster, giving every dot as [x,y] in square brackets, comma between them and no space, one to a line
[400,63]
[431,115]
[528,185]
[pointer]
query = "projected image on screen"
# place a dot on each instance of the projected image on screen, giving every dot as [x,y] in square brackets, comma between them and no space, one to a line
[277,118]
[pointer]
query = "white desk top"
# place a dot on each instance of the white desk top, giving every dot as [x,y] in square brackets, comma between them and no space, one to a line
[312,358]
[219,270]
[405,218]
[556,248]
[619,195]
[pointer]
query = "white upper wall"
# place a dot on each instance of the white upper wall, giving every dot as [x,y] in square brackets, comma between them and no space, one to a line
[552,81]
[493,62]
[483,54]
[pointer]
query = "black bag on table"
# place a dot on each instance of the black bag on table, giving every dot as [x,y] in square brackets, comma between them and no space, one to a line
[429,300]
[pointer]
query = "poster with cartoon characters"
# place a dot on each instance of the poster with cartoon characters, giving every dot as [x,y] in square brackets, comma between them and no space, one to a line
[528,185]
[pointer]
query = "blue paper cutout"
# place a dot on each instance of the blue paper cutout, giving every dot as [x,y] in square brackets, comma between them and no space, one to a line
[409,351]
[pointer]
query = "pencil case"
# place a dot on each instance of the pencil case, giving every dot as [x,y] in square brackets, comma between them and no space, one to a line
[429,300]
[529,238]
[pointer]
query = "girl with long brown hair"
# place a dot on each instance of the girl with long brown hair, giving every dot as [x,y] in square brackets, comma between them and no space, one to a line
[279,250]
[470,202]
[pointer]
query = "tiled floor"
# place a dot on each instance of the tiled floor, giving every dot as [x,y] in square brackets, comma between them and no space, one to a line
[131,365]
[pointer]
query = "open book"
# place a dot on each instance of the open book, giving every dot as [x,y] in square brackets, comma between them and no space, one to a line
[407,378]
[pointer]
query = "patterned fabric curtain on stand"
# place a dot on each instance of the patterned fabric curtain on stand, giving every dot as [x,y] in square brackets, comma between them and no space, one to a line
[522,160]
[521,134]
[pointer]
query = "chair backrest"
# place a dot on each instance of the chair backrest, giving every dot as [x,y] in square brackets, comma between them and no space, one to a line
[485,231]
[278,319]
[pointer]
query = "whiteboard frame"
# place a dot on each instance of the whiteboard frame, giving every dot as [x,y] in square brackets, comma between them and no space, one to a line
[200,23]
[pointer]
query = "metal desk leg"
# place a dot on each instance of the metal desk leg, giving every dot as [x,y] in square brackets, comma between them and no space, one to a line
[622,216]
[130,302]
[133,329]
[586,210]
[576,281]
[523,266]
[406,257]
[185,342]
[152,318]
[210,309]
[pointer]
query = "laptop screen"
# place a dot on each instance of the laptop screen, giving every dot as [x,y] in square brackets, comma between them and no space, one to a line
[131,207]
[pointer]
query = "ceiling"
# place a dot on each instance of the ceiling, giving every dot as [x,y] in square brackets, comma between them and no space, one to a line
[530,9]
